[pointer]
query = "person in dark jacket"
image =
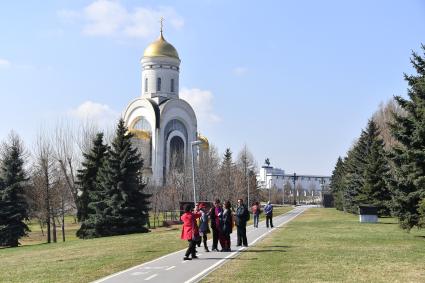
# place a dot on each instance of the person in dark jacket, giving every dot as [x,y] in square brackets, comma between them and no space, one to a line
[242,216]
[227,226]
[190,231]
[215,216]
[268,210]
[203,224]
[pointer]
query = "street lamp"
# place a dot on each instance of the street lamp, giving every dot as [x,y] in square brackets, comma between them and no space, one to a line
[294,180]
[192,144]
[249,177]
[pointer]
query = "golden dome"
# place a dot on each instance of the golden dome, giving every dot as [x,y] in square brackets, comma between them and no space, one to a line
[205,143]
[161,48]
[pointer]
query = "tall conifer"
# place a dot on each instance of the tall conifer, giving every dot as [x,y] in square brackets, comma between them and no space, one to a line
[13,204]
[121,205]
[409,155]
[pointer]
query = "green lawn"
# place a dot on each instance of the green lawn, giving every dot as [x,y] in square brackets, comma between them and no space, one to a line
[86,260]
[325,245]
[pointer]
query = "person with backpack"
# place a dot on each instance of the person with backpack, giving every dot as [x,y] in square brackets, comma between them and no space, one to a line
[268,210]
[256,213]
[242,216]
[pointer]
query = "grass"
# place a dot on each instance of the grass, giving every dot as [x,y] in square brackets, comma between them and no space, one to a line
[86,260]
[325,245]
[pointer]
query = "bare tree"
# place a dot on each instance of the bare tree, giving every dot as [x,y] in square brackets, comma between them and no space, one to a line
[43,177]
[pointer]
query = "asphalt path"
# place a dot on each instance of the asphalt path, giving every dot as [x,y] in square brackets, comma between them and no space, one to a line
[172,267]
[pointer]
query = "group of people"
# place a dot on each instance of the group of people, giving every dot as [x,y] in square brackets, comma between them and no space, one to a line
[222,220]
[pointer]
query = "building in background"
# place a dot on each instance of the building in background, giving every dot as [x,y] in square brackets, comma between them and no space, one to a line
[163,124]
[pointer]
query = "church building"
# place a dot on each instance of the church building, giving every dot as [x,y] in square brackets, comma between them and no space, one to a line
[164,125]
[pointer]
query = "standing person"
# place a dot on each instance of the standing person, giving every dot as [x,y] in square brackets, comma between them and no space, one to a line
[227,226]
[203,225]
[216,215]
[256,213]
[242,216]
[190,231]
[268,210]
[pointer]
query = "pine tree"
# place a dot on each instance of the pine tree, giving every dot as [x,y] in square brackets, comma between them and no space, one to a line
[13,204]
[353,179]
[337,184]
[121,207]
[88,175]
[409,155]
[375,190]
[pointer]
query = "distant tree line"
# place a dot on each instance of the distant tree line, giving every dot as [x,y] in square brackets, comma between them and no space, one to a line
[386,165]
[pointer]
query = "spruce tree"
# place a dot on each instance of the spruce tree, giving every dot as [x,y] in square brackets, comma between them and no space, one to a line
[87,181]
[88,175]
[121,206]
[408,155]
[353,179]
[337,184]
[13,204]
[375,189]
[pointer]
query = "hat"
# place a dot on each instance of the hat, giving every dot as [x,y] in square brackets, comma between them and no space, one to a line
[268,202]
[202,205]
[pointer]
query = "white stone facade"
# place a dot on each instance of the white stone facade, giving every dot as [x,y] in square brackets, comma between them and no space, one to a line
[165,122]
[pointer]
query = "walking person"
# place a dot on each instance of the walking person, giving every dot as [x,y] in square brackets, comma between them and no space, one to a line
[268,210]
[203,225]
[242,216]
[190,231]
[215,216]
[227,226]
[256,213]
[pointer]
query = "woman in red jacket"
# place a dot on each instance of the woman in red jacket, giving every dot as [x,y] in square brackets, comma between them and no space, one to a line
[190,231]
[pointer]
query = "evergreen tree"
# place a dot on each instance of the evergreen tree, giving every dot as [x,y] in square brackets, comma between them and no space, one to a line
[88,175]
[121,206]
[375,190]
[227,176]
[337,184]
[409,155]
[353,179]
[13,204]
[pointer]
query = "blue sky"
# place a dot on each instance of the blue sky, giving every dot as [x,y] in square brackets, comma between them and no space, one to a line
[294,80]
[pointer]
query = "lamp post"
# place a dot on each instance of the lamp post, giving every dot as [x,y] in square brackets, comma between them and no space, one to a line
[295,190]
[270,188]
[192,144]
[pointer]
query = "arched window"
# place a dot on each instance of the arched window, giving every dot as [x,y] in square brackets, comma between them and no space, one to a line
[146,84]
[158,84]
[172,85]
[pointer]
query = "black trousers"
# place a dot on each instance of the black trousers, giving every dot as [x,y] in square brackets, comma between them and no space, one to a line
[214,238]
[191,249]
[242,240]
[269,219]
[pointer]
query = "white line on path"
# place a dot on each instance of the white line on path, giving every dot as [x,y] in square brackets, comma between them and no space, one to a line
[171,267]
[150,277]
[205,272]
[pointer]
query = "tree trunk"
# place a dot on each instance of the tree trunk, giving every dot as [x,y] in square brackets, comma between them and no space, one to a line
[54,231]
[63,220]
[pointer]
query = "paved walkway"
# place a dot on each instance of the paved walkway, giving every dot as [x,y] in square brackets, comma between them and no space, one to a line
[172,268]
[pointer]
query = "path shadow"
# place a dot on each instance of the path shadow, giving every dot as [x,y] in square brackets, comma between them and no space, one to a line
[420,236]
[285,247]
[262,251]
[231,258]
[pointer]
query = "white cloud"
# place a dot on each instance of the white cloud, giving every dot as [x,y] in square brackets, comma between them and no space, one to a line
[4,64]
[110,18]
[202,103]
[240,71]
[100,114]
